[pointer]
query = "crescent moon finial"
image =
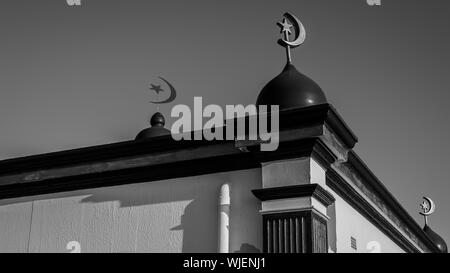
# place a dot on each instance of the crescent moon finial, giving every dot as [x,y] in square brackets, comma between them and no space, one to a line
[427,208]
[288,22]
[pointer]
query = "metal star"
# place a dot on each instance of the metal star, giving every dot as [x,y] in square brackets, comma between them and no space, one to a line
[285,27]
[156,88]
[424,207]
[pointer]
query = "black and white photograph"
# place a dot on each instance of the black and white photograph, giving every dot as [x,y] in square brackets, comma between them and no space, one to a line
[231,129]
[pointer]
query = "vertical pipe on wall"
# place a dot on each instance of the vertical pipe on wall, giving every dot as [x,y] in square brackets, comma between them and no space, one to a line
[224,219]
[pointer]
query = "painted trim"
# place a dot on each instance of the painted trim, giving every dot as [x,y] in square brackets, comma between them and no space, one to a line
[321,114]
[130,176]
[293,118]
[306,190]
[194,158]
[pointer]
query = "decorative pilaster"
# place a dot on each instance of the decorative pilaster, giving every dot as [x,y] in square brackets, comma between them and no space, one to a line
[294,218]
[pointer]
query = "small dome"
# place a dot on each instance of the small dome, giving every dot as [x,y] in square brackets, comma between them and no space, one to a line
[437,240]
[291,89]
[157,128]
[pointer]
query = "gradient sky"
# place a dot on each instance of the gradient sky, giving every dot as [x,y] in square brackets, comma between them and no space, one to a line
[72,77]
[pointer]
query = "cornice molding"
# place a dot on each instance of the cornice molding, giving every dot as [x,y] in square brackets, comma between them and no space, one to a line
[294,118]
[130,176]
[306,190]
[373,183]
[319,114]
[359,203]
[192,158]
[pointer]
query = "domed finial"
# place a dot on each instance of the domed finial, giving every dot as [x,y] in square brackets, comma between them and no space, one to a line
[427,208]
[291,89]
[299,33]
[157,122]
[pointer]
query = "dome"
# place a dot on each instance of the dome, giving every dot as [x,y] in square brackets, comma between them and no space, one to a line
[291,89]
[157,128]
[437,240]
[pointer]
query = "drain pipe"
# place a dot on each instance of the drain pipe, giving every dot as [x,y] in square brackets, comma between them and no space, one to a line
[224,219]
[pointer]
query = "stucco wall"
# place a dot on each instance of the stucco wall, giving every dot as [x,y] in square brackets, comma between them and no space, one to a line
[350,223]
[178,215]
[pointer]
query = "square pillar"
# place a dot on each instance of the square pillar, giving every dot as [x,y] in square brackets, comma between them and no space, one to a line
[294,218]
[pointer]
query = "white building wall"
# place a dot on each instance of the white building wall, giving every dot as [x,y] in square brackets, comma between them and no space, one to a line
[350,223]
[178,215]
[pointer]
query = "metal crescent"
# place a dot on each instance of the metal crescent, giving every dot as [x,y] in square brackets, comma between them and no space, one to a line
[299,29]
[432,206]
[173,93]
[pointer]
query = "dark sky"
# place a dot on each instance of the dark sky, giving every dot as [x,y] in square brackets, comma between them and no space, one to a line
[77,76]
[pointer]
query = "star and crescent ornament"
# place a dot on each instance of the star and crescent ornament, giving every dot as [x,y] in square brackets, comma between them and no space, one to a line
[427,208]
[291,25]
[157,89]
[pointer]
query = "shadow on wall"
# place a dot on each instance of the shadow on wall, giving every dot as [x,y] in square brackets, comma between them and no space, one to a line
[248,248]
[198,230]
[163,215]
[197,220]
